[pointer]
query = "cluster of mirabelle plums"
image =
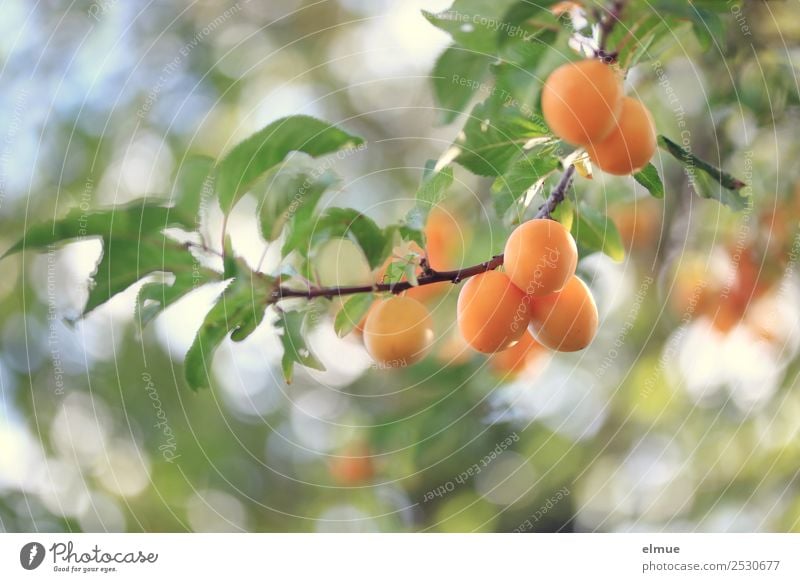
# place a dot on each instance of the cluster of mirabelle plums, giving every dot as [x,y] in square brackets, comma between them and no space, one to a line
[584,105]
[739,284]
[537,301]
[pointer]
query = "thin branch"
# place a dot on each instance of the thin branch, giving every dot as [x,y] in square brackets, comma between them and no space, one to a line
[430,276]
[607,23]
[434,277]
[558,194]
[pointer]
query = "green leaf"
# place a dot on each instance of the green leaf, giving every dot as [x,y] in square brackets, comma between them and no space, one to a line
[434,186]
[650,179]
[708,28]
[704,16]
[397,234]
[229,262]
[238,311]
[525,18]
[649,32]
[457,76]
[594,231]
[702,176]
[265,149]
[291,197]
[139,217]
[126,259]
[133,245]
[564,213]
[528,169]
[292,326]
[193,185]
[343,222]
[155,296]
[474,24]
[525,64]
[396,271]
[352,312]
[495,134]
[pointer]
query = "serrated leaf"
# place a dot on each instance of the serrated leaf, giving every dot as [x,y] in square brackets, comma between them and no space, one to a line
[265,149]
[706,22]
[525,64]
[433,188]
[495,134]
[525,18]
[126,259]
[352,312]
[397,234]
[292,326]
[707,180]
[155,296]
[290,198]
[523,173]
[594,231]
[133,245]
[193,183]
[237,312]
[139,216]
[457,76]
[650,179]
[395,272]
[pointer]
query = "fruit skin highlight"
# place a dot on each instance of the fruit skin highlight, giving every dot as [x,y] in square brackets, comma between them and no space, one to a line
[540,257]
[492,312]
[631,144]
[581,101]
[566,321]
[398,332]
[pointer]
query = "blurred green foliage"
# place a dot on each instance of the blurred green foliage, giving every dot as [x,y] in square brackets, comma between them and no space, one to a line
[667,422]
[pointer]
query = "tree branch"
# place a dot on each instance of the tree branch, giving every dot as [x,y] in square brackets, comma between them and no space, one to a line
[607,23]
[430,276]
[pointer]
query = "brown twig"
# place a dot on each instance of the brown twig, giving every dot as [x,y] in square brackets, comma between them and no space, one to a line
[429,276]
[607,23]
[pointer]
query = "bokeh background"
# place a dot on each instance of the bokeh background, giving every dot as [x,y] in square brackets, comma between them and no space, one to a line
[684,415]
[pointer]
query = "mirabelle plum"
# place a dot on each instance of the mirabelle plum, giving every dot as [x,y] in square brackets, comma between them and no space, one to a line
[340,262]
[353,466]
[540,256]
[741,288]
[630,145]
[492,312]
[638,223]
[515,359]
[398,332]
[565,321]
[580,101]
[693,287]
[444,239]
